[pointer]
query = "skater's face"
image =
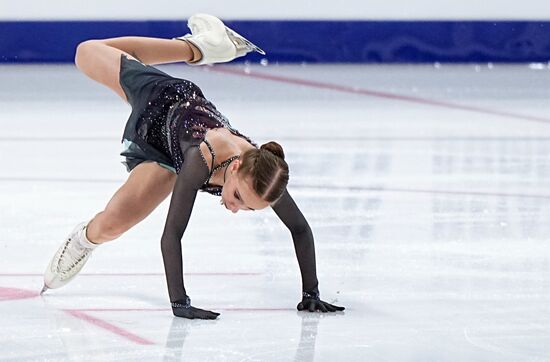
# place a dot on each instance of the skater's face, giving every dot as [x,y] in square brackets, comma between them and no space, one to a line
[237,192]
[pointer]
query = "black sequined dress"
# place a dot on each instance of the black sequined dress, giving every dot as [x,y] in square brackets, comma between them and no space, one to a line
[169,115]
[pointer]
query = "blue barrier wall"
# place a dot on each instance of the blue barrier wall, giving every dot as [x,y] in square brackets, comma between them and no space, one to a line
[341,41]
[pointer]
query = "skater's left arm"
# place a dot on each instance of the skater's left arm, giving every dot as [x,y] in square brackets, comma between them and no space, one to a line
[302,236]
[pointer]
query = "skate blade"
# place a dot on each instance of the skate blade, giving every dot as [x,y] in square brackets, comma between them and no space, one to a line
[233,35]
[44,288]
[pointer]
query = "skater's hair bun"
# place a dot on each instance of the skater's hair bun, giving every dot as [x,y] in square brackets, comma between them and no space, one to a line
[267,169]
[274,148]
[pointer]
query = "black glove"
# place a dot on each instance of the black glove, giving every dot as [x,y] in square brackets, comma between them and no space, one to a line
[182,308]
[312,303]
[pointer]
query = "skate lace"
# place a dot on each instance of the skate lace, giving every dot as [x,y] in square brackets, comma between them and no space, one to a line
[71,256]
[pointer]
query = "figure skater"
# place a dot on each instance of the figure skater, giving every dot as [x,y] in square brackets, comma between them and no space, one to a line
[176,141]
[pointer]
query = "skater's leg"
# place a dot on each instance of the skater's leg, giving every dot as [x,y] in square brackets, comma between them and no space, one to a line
[147,186]
[154,50]
[210,42]
[100,59]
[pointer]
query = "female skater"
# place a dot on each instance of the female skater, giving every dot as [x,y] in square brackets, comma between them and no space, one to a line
[177,142]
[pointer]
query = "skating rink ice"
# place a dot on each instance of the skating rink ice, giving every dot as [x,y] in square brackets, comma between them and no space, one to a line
[427,188]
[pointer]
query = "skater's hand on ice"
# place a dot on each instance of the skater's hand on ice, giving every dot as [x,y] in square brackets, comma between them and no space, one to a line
[311,302]
[183,309]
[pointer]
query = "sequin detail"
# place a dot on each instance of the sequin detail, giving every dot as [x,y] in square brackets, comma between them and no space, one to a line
[178,119]
[169,116]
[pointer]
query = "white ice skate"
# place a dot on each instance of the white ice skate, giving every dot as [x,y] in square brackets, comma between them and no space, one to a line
[69,259]
[216,42]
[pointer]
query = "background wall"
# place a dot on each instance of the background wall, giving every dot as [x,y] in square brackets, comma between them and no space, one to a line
[279,10]
[390,31]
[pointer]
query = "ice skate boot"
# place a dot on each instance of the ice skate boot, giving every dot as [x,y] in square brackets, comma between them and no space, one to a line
[216,42]
[69,259]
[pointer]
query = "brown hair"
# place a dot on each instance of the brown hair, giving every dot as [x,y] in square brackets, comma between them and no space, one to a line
[267,169]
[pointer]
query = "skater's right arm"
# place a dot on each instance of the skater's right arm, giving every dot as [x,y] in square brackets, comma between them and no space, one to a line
[191,177]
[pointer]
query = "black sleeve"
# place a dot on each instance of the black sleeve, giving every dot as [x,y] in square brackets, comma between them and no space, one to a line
[191,177]
[292,217]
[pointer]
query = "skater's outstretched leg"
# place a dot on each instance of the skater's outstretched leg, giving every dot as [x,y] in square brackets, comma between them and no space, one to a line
[100,59]
[210,42]
[147,186]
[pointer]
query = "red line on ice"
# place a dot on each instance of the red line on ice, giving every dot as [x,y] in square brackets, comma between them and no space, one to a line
[377,94]
[127,274]
[231,309]
[107,326]
[16,294]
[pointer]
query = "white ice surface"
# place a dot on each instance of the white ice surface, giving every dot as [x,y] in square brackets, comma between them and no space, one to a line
[431,220]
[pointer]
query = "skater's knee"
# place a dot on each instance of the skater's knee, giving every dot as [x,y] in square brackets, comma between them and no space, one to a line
[83,52]
[87,54]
